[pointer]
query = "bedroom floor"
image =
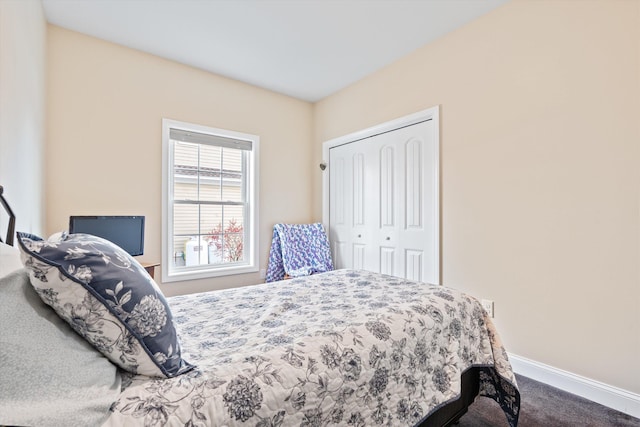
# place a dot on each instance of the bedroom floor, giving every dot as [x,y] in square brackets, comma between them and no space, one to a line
[546,406]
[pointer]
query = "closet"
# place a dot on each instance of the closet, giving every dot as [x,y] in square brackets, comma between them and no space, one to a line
[383,194]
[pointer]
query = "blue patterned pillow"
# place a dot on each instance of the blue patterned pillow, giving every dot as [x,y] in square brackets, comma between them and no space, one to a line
[108,298]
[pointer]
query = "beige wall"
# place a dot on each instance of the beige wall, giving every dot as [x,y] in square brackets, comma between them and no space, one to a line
[540,161]
[22,111]
[106,105]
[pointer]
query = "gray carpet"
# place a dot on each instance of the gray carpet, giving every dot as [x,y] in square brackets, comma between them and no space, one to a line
[546,406]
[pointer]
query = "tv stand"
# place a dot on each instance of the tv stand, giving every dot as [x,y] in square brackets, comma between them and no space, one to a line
[150,267]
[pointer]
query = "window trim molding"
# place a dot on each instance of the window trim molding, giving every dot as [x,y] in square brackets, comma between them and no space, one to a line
[167,214]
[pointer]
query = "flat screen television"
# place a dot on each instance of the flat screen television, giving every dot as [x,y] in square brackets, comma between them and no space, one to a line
[125,231]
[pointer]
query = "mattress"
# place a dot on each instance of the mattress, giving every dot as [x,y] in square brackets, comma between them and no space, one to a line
[343,347]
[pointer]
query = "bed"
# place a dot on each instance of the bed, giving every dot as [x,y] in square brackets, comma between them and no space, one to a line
[338,348]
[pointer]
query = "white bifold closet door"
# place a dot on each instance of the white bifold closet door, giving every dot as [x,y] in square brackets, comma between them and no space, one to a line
[383,203]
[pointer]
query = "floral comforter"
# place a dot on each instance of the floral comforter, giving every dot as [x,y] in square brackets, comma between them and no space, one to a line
[344,347]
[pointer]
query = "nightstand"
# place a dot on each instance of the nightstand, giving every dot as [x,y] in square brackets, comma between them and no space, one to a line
[150,267]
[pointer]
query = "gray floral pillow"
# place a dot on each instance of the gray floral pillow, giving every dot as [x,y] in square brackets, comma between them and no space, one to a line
[108,298]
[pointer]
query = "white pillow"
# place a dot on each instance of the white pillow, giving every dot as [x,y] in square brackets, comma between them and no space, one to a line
[9,259]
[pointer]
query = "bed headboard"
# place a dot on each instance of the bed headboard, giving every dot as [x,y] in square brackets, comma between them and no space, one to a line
[11,230]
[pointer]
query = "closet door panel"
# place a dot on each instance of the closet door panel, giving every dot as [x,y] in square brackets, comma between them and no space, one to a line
[387,186]
[351,186]
[418,233]
[413,178]
[368,216]
[358,192]
[388,260]
[340,207]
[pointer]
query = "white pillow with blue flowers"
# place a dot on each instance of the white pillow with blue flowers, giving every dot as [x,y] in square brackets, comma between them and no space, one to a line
[108,298]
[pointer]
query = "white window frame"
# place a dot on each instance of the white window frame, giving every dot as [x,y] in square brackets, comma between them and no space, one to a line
[169,273]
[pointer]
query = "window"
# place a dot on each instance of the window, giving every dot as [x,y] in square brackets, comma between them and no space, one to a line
[210,211]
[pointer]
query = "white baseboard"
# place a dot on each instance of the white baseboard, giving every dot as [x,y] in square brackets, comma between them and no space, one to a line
[604,394]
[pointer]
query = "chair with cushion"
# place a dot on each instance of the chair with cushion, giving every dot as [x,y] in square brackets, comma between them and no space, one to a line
[298,250]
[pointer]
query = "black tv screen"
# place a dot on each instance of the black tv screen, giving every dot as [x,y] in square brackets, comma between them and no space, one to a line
[125,231]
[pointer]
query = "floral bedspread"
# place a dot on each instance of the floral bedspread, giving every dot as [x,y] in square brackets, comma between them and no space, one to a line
[339,348]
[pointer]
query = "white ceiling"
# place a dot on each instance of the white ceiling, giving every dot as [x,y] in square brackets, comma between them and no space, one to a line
[307,49]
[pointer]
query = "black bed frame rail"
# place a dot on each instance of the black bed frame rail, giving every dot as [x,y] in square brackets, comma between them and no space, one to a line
[11,230]
[450,414]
